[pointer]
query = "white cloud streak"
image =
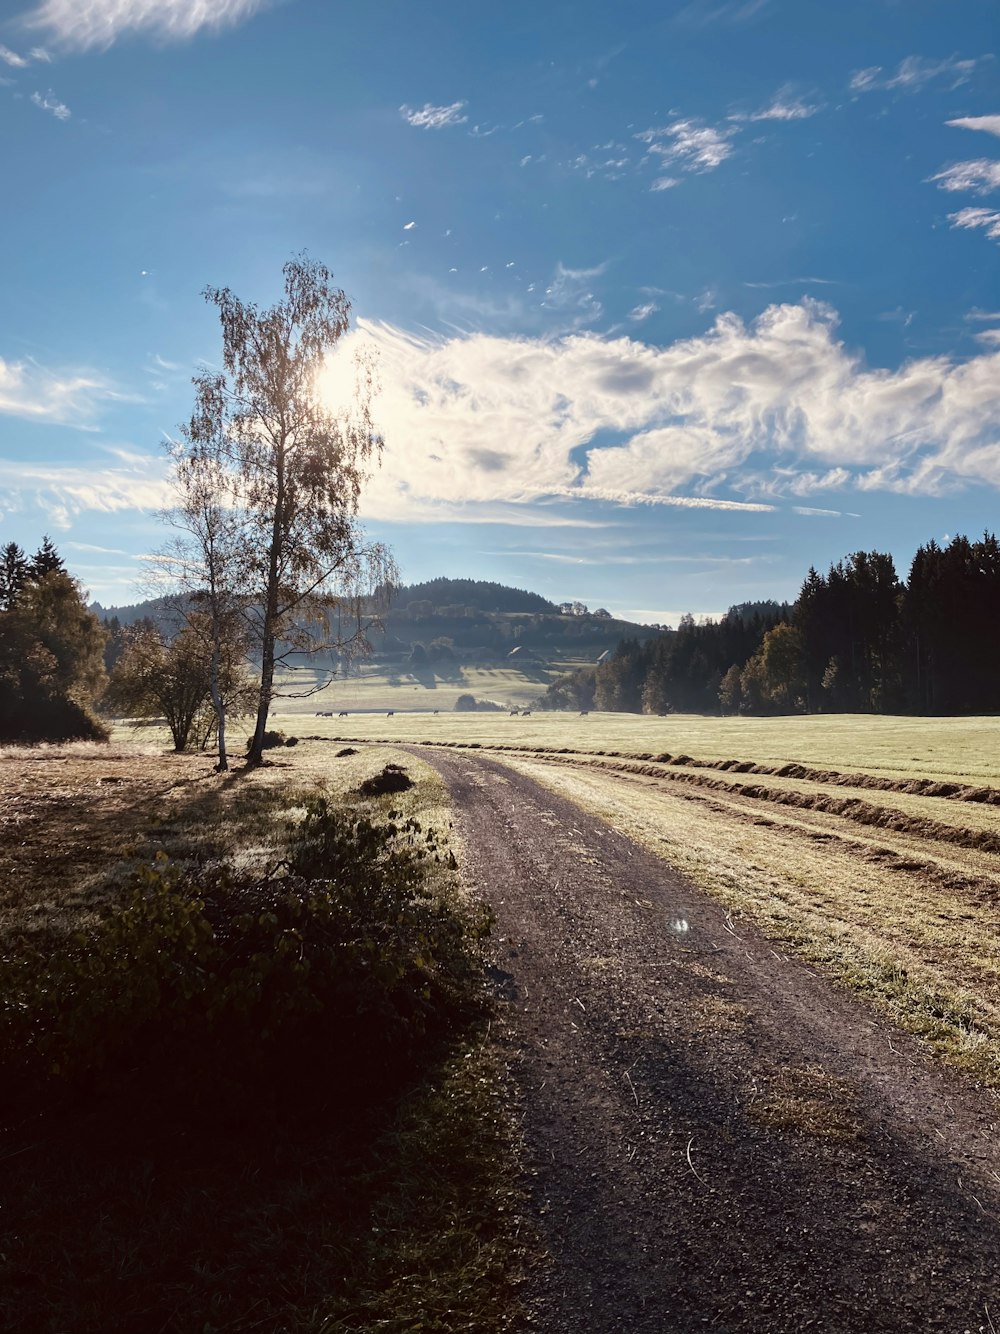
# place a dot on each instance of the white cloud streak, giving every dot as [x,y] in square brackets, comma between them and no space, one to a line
[977,218]
[980,176]
[52,105]
[11,58]
[991,124]
[689,144]
[70,398]
[430,117]
[86,24]
[63,491]
[912,74]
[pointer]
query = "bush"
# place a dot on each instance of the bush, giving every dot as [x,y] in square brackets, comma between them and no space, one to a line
[338,970]
[465,703]
[272,740]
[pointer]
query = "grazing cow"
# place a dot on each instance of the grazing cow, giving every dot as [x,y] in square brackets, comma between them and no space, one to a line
[342,713]
[525,713]
[391,713]
[513,713]
[435,713]
[584,712]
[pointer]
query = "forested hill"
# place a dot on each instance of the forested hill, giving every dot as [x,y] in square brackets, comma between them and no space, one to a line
[444,593]
[154,609]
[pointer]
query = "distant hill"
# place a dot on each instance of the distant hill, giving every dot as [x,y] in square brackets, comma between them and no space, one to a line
[474,619]
[476,593]
[153,609]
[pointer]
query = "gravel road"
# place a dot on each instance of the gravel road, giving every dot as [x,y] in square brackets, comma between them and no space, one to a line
[716,1137]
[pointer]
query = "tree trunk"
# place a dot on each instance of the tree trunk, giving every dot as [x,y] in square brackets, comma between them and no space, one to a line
[218,704]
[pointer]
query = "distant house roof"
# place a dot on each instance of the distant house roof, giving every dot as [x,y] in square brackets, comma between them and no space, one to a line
[604,656]
[514,651]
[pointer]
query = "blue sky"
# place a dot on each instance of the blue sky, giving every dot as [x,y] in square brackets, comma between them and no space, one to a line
[671,299]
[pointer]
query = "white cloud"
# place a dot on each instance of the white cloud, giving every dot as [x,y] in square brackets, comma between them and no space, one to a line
[52,105]
[62,491]
[972,218]
[11,58]
[435,118]
[991,124]
[643,312]
[570,294]
[68,397]
[690,144]
[743,414]
[408,226]
[664,183]
[785,105]
[85,24]
[912,74]
[981,176]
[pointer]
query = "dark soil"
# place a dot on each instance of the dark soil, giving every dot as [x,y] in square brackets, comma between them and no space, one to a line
[716,1137]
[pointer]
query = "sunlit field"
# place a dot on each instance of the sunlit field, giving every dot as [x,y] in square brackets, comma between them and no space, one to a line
[949,749]
[378,686]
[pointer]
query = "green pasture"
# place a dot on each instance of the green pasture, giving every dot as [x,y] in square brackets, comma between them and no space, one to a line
[961,749]
[381,686]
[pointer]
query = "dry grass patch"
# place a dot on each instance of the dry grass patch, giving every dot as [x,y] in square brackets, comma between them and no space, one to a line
[808,1101]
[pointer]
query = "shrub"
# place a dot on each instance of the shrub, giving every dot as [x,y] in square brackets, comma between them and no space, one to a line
[336,969]
[272,740]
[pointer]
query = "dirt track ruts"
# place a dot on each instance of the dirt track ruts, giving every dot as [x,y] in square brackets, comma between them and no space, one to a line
[716,1137]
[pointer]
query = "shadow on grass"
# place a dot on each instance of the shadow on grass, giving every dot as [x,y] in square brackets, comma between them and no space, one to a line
[298,1194]
[289,1212]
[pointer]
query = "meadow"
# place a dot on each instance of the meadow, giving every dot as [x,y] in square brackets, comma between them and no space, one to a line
[947,749]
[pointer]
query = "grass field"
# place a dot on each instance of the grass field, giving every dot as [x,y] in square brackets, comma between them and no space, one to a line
[375,685]
[949,749]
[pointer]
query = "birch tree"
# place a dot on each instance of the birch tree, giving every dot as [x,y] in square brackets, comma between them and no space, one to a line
[294,467]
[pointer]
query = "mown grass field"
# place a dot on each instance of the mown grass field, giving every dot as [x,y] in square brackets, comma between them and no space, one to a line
[950,749]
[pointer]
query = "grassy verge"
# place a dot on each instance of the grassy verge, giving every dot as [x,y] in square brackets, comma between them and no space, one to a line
[301,1190]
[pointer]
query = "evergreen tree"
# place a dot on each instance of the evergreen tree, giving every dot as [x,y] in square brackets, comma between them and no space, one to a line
[46,560]
[13,575]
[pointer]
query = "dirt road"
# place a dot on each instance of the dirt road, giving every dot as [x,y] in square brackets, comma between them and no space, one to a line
[717,1138]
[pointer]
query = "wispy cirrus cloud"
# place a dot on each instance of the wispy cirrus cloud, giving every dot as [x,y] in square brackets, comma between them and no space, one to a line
[63,491]
[690,145]
[11,58]
[82,25]
[50,103]
[430,117]
[980,176]
[72,398]
[701,13]
[742,415]
[991,124]
[977,219]
[912,74]
[785,105]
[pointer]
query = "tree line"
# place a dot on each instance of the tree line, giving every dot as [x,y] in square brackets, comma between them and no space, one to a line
[856,640]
